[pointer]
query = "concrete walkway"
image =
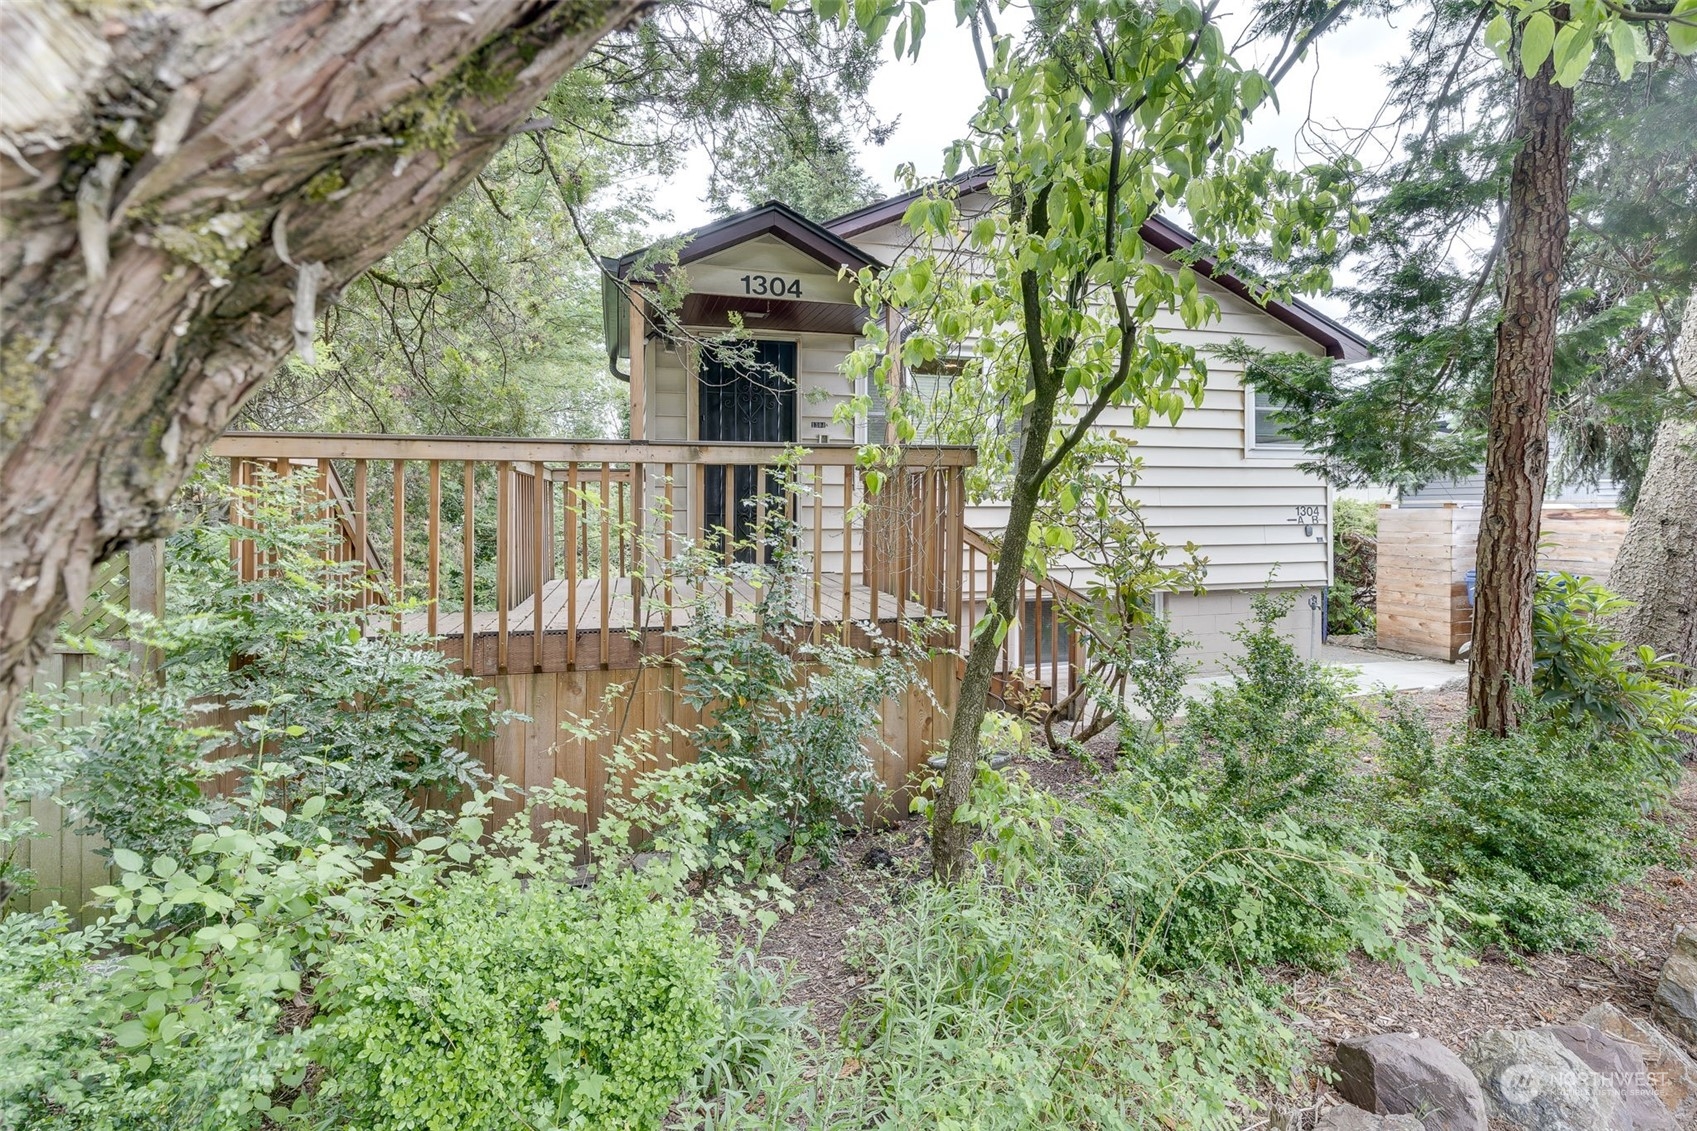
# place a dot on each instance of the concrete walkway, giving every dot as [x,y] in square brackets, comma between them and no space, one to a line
[1373,672]
[1391,671]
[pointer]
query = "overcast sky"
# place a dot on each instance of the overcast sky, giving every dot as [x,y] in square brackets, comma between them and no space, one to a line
[1339,86]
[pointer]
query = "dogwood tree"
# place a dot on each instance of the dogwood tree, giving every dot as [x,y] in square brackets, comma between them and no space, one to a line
[1100,115]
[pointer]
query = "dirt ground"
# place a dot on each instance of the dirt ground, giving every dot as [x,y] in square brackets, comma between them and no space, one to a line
[1366,997]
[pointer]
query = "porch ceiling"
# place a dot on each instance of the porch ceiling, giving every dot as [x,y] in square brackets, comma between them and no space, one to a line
[714,311]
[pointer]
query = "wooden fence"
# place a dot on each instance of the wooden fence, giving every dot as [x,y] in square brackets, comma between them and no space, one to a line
[1425,553]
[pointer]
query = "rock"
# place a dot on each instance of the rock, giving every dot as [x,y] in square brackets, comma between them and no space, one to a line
[1405,1074]
[1351,1118]
[1673,1075]
[878,857]
[1621,1064]
[1675,1007]
[1533,1083]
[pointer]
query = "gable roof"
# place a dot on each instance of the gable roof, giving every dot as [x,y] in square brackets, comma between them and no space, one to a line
[771,218]
[1338,340]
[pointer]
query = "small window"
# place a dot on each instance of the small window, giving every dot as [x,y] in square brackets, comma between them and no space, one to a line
[929,387]
[1269,433]
[875,427]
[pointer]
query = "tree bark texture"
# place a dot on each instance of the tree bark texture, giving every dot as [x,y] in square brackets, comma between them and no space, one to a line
[1656,567]
[1517,454]
[951,841]
[183,183]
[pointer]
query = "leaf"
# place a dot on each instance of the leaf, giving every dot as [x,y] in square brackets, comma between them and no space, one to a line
[1499,33]
[1628,48]
[130,1034]
[1536,39]
[128,861]
[311,807]
[1574,47]
[1682,28]
[459,853]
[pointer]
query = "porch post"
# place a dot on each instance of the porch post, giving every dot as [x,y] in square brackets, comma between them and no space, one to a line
[638,378]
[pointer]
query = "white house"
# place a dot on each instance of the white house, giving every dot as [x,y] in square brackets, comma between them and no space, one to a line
[1221,477]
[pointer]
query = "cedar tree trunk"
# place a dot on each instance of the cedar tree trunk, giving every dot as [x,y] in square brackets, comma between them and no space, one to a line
[1517,452]
[183,182]
[1657,564]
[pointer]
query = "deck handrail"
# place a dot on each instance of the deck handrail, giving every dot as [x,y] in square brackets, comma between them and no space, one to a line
[329,445]
[580,560]
[1041,602]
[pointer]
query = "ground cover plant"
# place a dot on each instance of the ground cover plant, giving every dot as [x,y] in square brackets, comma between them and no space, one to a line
[278,669]
[1530,829]
[272,977]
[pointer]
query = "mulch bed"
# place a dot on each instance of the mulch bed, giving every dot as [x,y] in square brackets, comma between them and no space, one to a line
[870,869]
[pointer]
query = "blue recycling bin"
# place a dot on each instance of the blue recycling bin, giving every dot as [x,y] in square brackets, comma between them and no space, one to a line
[1472,584]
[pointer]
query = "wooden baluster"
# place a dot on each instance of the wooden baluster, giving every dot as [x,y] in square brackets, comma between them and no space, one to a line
[762,484]
[957,540]
[637,576]
[361,537]
[666,544]
[619,490]
[331,515]
[1075,659]
[538,500]
[433,534]
[1055,643]
[970,617]
[817,481]
[573,538]
[872,554]
[606,556]
[398,541]
[503,558]
[469,567]
[1020,620]
[281,467]
[729,536]
[241,549]
[933,508]
[845,613]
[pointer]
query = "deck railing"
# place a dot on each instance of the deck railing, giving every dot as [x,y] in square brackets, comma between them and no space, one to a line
[1042,656]
[555,555]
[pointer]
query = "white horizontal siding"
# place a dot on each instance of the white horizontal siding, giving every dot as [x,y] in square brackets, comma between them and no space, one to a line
[1200,480]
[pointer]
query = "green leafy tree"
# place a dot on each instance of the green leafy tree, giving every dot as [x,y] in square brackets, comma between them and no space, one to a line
[1573,307]
[1103,113]
[488,320]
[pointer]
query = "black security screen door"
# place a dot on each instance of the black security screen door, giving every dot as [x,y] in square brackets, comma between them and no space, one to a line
[748,398]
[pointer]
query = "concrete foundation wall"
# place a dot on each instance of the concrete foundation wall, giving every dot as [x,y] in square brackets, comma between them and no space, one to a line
[1211,619]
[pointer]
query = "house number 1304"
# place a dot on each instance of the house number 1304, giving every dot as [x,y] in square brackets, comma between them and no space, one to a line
[770,285]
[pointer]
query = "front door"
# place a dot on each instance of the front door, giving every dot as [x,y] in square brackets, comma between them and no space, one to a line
[745,398]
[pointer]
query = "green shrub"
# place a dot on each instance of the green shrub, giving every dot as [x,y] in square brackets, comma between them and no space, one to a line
[494,1004]
[790,719]
[1530,829]
[280,664]
[756,1029]
[1191,886]
[1355,527]
[1279,734]
[1584,674]
[183,1031]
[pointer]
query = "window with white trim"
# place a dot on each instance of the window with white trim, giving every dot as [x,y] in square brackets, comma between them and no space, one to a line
[1269,433]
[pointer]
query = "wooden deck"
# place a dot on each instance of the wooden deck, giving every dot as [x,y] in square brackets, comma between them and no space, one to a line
[614,629]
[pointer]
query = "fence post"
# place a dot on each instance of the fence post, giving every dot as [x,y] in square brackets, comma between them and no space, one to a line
[147,590]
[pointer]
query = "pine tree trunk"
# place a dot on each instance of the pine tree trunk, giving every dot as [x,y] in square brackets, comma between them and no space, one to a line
[1517,451]
[183,182]
[1656,567]
[951,841]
